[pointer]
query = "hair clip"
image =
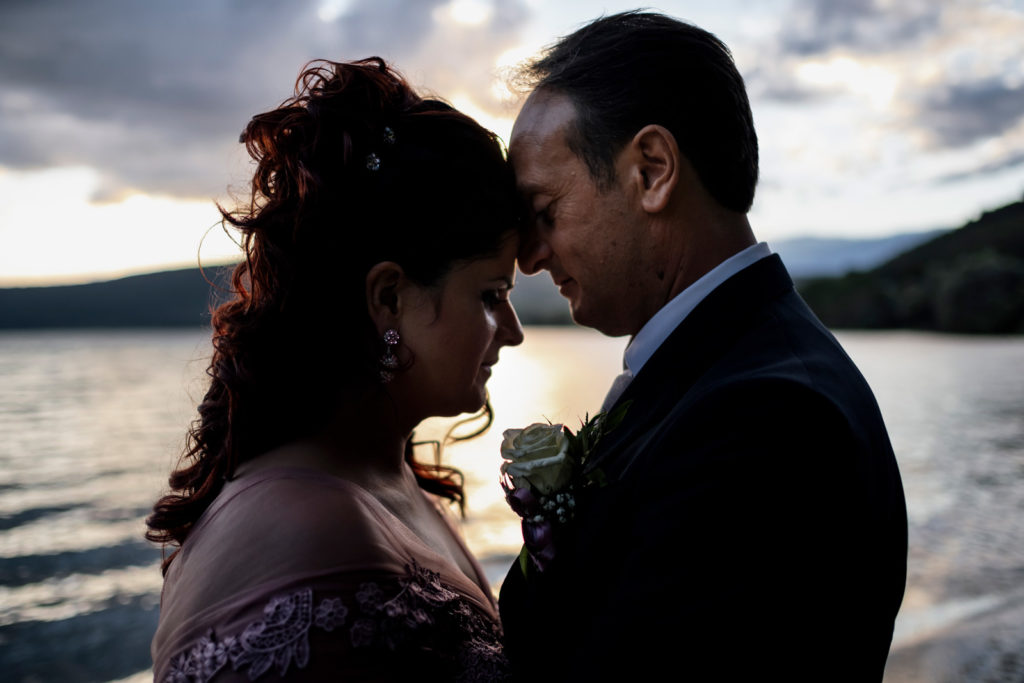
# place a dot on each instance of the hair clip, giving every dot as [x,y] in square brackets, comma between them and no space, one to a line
[373,159]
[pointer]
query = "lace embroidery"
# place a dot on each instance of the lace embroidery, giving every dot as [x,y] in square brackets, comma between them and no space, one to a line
[422,619]
[330,614]
[281,638]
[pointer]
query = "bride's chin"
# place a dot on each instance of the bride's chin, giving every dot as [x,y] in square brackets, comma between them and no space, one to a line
[446,404]
[477,403]
[473,406]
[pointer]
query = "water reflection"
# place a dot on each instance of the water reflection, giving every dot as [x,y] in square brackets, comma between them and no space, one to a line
[94,421]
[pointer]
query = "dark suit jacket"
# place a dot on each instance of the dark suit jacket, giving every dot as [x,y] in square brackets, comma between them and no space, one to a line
[753,525]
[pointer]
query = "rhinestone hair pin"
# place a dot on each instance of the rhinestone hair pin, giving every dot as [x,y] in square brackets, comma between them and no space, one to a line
[373,159]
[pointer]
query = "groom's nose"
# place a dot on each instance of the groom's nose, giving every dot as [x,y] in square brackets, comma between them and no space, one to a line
[534,253]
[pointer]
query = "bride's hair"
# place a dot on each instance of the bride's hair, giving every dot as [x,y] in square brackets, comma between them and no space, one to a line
[354,169]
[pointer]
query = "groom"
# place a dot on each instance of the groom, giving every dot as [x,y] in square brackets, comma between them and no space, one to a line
[752,525]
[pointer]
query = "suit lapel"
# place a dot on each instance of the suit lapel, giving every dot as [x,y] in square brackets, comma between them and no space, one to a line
[692,348]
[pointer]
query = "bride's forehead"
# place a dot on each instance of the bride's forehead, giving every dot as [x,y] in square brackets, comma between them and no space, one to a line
[499,267]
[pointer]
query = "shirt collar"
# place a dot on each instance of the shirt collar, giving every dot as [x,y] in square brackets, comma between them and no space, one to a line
[660,326]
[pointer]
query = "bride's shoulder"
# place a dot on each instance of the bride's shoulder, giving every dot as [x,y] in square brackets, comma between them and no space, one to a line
[298,493]
[293,520]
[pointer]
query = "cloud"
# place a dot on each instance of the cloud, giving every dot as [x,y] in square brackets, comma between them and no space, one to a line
[154,94]
[818,26]
[1003,163]
[774,81]
[816,30]
[957,115]
[942,75]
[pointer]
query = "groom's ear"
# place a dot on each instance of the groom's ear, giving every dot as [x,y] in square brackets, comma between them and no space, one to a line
[657,159]
[384,285]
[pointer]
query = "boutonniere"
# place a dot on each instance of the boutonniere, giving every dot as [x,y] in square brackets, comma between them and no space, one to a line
[542,474]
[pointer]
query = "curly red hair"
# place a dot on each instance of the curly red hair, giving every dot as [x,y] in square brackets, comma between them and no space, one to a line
[354,169]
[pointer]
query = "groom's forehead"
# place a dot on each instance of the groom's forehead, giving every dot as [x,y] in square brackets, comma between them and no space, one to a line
[539,146]
[543,120]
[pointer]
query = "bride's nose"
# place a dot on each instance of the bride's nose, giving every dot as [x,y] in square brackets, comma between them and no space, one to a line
[510,329]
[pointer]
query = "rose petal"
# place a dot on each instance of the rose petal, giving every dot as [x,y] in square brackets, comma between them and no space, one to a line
[546,475]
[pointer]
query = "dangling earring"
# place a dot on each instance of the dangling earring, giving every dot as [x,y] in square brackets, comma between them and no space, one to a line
[389,361]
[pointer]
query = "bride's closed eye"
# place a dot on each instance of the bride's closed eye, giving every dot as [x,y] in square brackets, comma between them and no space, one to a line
[495,297]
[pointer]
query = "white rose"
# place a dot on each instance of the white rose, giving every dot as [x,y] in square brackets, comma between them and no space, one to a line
[537,457]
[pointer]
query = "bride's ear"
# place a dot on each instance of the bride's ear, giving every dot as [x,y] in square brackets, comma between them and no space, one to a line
[384,284]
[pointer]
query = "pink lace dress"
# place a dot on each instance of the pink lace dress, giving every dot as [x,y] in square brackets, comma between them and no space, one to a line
[347,593]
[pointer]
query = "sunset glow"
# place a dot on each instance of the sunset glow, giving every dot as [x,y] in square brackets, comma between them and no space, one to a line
[873,117]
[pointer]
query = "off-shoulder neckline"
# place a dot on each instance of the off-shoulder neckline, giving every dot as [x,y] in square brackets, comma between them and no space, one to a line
[390,522]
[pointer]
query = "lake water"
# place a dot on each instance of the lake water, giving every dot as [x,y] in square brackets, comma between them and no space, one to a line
[92,422]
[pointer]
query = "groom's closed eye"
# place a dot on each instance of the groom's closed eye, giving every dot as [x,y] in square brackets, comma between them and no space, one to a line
[544,217]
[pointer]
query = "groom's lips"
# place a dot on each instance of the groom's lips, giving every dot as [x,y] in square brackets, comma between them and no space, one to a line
[565,284]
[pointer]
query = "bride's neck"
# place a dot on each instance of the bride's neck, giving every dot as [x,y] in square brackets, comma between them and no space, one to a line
[365,440]
[364,443]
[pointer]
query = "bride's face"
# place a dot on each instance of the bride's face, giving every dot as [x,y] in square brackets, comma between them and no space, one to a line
[454,331]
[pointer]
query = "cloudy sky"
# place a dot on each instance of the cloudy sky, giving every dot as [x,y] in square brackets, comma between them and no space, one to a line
[119,119]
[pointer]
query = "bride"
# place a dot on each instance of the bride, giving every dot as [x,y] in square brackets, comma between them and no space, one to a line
[307,542]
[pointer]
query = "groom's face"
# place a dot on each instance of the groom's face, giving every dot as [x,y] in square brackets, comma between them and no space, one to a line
[583,235]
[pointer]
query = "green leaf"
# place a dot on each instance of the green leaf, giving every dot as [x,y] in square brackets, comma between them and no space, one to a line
[614,419]
[598,477]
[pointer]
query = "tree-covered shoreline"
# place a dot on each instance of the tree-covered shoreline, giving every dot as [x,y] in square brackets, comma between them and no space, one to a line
[969,280]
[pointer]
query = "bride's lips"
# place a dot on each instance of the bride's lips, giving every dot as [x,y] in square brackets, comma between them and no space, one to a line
[564,285]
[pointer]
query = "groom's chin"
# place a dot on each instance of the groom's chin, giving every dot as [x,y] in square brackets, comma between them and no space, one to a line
[582,316]
[600,320]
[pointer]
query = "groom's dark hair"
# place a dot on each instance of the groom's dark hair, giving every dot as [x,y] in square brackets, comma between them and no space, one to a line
[629,70]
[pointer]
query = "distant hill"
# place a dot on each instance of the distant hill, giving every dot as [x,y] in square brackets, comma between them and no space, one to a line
[969,280]
[177,298]
[825,257]
[863,298]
